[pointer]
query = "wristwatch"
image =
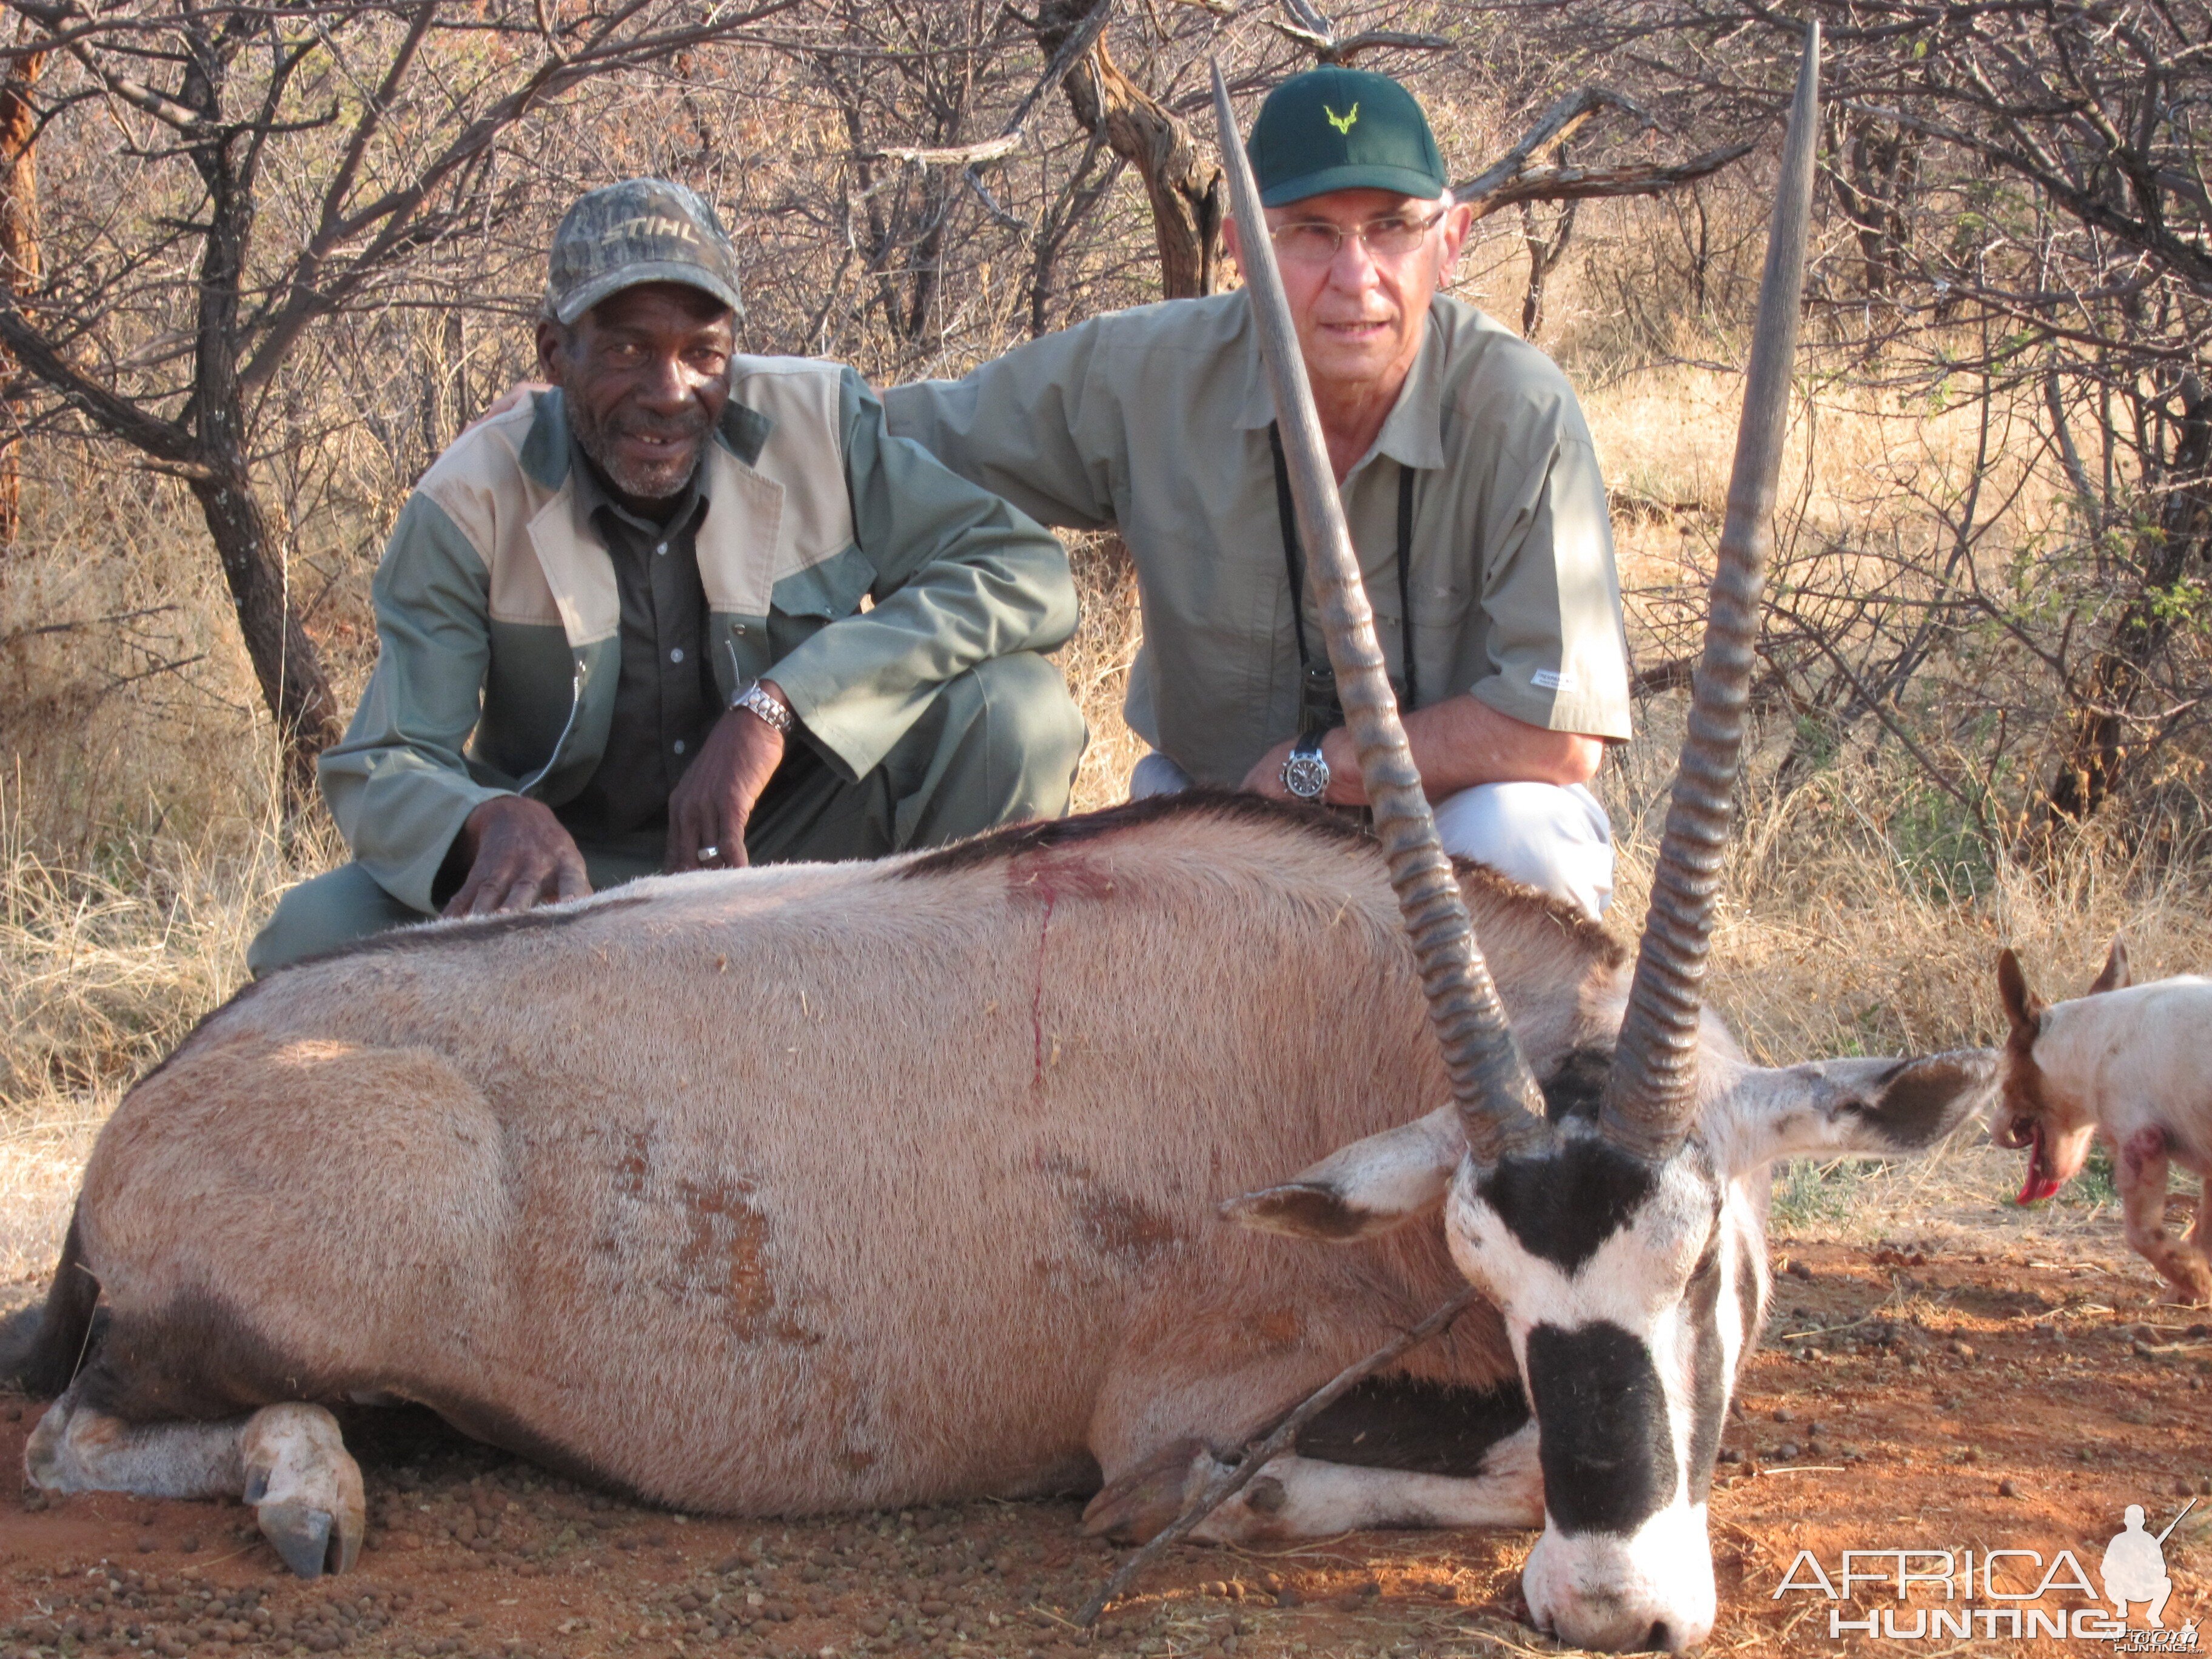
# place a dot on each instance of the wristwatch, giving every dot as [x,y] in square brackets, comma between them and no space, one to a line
[754,700]
[1305,774]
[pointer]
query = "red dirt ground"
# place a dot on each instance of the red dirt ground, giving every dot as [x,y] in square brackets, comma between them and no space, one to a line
[1900,1401]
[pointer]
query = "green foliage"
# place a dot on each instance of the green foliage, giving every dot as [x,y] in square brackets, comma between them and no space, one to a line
[2182,604]
[1816,740]
[1940,845]
[1808,1190]
[2096,1184]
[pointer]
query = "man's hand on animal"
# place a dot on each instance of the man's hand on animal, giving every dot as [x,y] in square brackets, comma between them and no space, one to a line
[518,856]
[709,812]
[1459,743]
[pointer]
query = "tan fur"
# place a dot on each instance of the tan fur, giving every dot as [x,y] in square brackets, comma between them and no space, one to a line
[830,1187]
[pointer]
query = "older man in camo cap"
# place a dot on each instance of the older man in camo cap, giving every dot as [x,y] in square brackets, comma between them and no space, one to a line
[1468,480]
[683,610]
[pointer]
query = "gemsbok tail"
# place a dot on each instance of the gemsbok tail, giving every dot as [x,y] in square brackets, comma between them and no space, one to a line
[41,1347]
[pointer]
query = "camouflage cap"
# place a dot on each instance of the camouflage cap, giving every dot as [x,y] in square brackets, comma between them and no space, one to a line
[641,230]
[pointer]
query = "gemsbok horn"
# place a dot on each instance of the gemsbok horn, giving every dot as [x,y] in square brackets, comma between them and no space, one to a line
[1651,1095]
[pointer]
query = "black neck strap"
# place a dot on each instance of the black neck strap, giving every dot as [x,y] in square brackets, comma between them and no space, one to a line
[1294,564]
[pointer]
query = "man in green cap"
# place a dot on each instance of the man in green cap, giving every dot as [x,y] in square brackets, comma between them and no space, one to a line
[1468,476]
[683,609]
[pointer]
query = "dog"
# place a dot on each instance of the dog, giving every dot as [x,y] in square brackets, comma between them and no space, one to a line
[2132,1063]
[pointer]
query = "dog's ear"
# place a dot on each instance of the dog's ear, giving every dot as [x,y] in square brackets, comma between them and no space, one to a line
[2117,976]
[2022,1006]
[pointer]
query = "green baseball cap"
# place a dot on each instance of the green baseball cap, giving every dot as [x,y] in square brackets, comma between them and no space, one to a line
[641,230]
[1343,129]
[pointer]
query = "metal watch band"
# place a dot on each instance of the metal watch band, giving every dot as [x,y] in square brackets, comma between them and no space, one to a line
[754,700]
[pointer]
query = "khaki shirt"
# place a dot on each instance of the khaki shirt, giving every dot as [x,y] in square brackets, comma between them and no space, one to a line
[1155,421]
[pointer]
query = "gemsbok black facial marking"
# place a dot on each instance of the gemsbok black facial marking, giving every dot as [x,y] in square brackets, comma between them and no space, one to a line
[1562,1204]
[1605,1446]
[1419,1426]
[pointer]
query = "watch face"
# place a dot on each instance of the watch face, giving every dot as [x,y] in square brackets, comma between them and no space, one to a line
[1305,776]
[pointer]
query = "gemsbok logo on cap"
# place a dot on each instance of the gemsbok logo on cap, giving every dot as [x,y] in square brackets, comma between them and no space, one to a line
[1342,123]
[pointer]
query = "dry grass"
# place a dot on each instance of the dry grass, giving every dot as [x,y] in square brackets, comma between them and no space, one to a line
[1096,665]
[99,976]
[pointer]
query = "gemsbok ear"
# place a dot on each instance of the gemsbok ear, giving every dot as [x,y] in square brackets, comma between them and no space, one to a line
[1882,1108]
[1361,1190]
[2021,1006]
[2116,976]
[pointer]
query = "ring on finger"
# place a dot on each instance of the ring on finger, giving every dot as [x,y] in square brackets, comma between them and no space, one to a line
[708,854]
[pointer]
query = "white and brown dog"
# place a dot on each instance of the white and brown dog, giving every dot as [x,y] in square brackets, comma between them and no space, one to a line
[2132,1063]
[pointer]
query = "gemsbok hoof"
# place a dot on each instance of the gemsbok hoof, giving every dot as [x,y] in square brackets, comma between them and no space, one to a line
[302,1535]
[1144,1500]
[305,1488]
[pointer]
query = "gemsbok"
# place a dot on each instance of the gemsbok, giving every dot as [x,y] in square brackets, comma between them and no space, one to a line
[832,1187]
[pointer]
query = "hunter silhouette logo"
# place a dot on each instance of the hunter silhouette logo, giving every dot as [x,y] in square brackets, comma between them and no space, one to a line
[1342,123]
[2135,1565]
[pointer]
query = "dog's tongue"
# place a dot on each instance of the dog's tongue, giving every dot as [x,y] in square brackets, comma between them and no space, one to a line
[2040,1184]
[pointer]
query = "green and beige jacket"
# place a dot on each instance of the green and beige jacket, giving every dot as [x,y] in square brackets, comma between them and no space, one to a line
[846,564]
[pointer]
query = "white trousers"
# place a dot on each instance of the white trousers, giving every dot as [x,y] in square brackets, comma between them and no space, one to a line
[1546,834]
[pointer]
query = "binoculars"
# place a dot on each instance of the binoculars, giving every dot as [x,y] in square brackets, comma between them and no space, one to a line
[1320,710]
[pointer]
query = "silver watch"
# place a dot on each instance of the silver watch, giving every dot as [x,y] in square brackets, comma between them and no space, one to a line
[1305,774]
[754,700]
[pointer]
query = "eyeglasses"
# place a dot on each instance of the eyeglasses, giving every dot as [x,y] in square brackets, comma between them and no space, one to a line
[1314,242]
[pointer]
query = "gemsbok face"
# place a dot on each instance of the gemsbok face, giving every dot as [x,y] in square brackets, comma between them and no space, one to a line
[1631,1288]
[1607,1215]
[1628,1291]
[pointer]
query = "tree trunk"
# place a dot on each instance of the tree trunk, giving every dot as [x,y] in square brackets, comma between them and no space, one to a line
[1545,252]
[1185,188]
[285,661]
[21,260]
[2098,757]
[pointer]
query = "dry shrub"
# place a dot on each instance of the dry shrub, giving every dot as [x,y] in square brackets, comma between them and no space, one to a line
[126,702]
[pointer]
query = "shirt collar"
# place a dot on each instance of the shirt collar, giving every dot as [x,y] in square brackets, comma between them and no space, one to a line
[1412,432]
[744,431]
